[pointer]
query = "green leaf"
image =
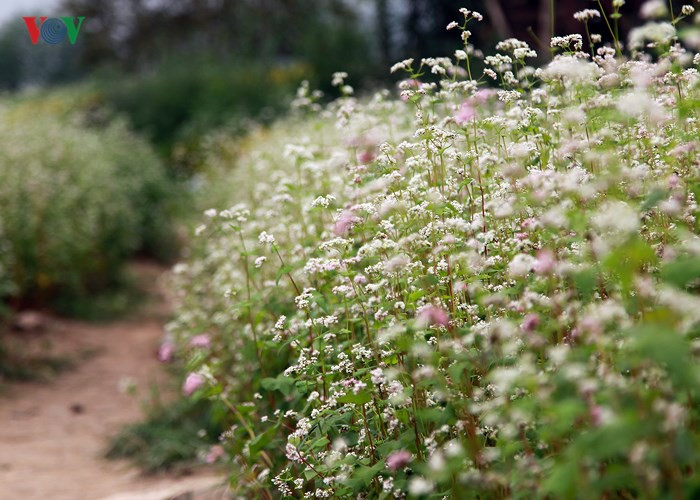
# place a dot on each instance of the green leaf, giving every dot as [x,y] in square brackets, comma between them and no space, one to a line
[653,199]
[281,272]
[261,441]
[360,398]
[585,282]
[457,370]
[436,416]
[245,409]
[562,481]
[416,295]
[280,383]
[668,349]
[363,475]
[428,281]
[320,443]
[629,259]
[681,272]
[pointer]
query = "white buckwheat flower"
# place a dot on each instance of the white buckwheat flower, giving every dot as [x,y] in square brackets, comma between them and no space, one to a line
[654,9]
[616,216]
[586,14]
[338,78]
[266,239]
[404,65]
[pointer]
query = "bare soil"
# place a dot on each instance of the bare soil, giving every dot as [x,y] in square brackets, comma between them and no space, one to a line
[53,434]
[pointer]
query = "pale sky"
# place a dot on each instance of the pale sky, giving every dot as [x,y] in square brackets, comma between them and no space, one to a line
[10,9]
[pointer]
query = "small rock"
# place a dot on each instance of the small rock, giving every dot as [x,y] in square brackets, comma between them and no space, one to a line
[77,408]
[29,321]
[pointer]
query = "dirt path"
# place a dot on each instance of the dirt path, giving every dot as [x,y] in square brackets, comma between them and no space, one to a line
[53,434]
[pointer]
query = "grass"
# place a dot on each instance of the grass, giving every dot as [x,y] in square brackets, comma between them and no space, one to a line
[170,436]
[124,298]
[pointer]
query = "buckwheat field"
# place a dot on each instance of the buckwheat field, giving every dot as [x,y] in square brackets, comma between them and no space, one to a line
[484,285]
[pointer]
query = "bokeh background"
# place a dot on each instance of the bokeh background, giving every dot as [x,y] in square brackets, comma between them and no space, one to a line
[177,69]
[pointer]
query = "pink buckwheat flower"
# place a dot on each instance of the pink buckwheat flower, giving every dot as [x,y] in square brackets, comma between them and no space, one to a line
[433,315]
[465,114]
[201,340]
[193,382]
[366,157]
[398,460]
[467,111]
[360,279]
[600,415]
[166,351]
[345,222]
[673,181]
[545,263]
[484,95]
[215,453]
[530,322]
[528,224]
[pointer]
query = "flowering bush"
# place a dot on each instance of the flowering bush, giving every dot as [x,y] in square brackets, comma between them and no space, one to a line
[465,292]
[75,202]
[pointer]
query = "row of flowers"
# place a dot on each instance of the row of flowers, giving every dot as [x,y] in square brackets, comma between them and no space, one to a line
[463,292]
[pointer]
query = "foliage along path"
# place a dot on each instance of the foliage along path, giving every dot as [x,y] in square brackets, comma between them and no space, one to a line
[53,434]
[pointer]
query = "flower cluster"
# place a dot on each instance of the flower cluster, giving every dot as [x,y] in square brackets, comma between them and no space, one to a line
[466,293]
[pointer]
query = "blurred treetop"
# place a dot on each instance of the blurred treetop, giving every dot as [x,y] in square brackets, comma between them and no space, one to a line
[134,30]
[362,37]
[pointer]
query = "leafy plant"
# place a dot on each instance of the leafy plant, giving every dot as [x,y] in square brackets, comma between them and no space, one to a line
[170,437]
[77,201]
[464,292]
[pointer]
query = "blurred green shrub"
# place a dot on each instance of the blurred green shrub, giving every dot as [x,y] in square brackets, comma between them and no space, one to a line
[175,105]
[76,202]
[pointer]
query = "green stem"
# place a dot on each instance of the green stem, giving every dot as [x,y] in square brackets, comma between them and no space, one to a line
[248,306]
[551,26]
[369,434]
[612,32]
[296,288]
[670,4]
[588,35]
